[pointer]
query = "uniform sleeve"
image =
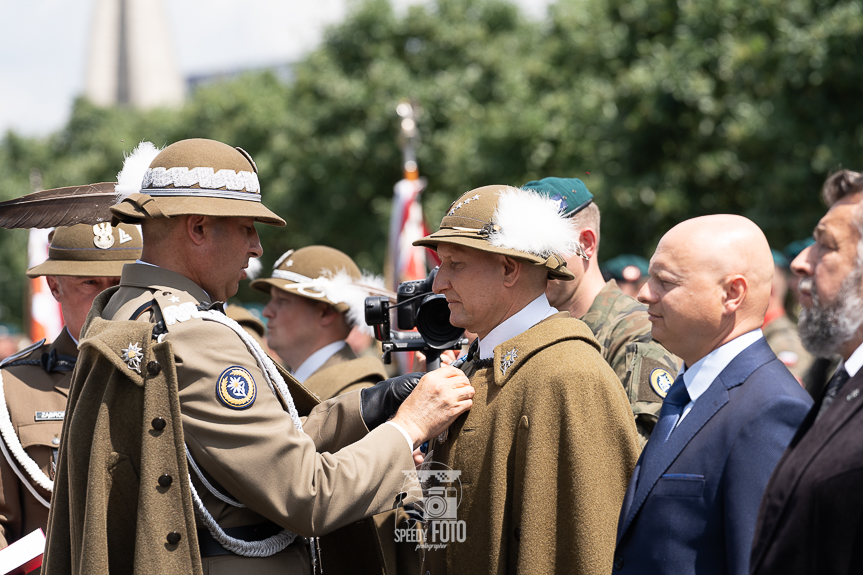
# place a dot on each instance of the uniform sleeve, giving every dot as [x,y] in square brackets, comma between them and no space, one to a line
[637,364]
[756,451]
[576,449]
[257,455]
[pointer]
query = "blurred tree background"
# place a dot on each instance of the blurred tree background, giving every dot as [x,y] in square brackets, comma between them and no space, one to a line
[667,109]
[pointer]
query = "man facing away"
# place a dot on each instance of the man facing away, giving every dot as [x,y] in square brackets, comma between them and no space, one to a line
[83,261]
[620,324]
[317,294]
[165,378]
[811,517]
[546,450]
[692,501]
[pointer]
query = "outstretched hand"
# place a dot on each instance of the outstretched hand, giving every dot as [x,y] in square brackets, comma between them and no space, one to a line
[439,398]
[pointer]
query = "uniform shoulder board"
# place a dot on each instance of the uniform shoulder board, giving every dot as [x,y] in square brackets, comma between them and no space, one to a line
[176,307]
[23,353]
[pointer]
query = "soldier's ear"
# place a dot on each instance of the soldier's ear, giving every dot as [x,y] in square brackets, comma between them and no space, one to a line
[512,270]
[589,242]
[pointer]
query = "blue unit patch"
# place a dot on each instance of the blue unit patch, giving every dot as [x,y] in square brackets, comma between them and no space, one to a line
[236,388]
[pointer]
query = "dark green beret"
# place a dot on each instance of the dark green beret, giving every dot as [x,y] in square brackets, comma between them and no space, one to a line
[625,267]
[793,249]
[570,193]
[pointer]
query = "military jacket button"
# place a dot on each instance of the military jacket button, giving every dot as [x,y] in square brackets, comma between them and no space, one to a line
[159,424]
[153,368]
[165,480]
[618,563]
[173,537]
[55,441]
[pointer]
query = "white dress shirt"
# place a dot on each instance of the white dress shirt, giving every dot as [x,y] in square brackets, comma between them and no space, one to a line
[314,362]
[854,363]
[702,373]
[526,318]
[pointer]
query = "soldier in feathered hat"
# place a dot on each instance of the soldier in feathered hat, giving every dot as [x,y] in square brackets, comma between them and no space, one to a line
[83,260]
[317,294]
[619,322]
[548,447]
[170,379]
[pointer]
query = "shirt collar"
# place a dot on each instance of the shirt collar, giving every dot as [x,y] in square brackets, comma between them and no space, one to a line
[526,318]
[703,372]
[855,361]
[146,275]
[314,362]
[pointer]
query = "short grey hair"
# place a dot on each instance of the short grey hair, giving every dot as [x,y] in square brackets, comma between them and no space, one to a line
[587,218]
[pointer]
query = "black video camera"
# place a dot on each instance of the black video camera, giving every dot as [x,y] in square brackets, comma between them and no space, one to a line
[416,307]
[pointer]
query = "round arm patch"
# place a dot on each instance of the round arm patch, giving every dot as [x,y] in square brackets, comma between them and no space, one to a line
[236,388]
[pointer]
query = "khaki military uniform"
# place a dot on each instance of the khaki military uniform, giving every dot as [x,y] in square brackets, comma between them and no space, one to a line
[782,337]
[345,372]
[36,400]
[251,452]
[545,455]
[644,367]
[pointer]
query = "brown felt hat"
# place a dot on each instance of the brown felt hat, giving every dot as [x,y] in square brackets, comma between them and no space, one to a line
[304,272]
[521,224]
[90,251]
[200,177]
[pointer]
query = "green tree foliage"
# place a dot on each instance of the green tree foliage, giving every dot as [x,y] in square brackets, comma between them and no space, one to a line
[667,109]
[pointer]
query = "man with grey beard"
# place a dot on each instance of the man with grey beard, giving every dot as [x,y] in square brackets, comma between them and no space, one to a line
[811,516]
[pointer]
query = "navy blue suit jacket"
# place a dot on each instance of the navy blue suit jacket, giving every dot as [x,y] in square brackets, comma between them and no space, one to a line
[691,507]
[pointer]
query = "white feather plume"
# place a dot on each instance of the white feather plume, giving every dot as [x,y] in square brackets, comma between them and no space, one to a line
[342,288]
[254,269]
[530,222]
[134,168]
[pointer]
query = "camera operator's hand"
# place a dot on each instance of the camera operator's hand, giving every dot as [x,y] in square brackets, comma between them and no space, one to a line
[380,402]
[446,358]
[441,396]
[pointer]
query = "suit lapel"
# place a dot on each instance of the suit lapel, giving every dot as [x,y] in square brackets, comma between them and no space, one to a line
[710,402]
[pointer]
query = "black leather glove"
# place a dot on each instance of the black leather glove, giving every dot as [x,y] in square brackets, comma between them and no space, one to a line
[380,402]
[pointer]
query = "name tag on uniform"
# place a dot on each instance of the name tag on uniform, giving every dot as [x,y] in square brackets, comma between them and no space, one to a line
[50,415]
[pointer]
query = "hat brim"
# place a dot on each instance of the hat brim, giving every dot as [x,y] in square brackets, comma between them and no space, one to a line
[556,270]
[169,206]
[264,285]
[90,269]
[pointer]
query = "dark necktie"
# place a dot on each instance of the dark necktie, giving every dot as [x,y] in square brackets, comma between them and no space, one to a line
[672,406]
[836,382]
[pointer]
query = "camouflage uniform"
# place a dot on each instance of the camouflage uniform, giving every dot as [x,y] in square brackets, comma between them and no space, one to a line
[782,337]
[621,326]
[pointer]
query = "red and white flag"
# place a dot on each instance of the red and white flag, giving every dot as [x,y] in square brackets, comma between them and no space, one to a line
[406,261]
[46,317]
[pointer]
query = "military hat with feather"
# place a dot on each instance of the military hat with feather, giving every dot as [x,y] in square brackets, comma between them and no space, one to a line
[514,222]
[325,274]
[196,176]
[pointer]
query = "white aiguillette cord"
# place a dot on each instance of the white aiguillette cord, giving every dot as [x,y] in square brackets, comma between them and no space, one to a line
[10,439]
[279,541]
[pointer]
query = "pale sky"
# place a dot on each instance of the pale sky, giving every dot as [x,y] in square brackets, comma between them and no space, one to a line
[43,48]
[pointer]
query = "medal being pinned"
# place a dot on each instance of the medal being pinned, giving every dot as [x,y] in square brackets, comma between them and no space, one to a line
[236,388]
